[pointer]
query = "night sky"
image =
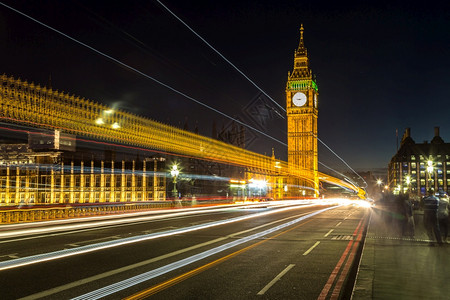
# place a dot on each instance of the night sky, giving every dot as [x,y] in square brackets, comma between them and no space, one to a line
[379,67]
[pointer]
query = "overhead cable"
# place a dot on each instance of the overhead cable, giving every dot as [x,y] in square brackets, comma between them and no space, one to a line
[220,54]
[143,74]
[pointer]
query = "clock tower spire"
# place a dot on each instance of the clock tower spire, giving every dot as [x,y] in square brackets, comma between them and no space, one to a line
[301,46]
[302,112]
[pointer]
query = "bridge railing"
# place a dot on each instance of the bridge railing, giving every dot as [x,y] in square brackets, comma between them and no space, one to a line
[34,213]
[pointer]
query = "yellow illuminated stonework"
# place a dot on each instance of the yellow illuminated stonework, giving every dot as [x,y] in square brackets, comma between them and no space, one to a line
[301,107]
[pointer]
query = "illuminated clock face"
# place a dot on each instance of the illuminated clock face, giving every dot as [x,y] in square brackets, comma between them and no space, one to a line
[299,99]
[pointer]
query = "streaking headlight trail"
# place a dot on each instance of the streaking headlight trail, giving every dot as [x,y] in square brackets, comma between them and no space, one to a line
[105,245]
[17,230]
[121,285]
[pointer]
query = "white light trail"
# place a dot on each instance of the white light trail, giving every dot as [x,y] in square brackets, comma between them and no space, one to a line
[113,288]
[84,225]
[18,230]
[14,263]
[109,273]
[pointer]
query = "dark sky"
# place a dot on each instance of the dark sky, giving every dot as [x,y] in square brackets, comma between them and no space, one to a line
[379,67]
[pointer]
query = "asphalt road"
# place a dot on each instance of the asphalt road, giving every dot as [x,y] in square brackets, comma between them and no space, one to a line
[247,252]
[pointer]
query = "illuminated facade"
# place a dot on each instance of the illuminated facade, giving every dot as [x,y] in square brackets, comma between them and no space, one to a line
[302,112]
[417,167]
[45,176]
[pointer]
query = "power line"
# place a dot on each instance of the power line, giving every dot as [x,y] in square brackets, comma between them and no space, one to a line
[340,159]
[220,54]
[143,74]
[335,171]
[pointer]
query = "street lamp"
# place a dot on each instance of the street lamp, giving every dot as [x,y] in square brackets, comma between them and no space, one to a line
[174,172]
[430,169]
[105,117]
[408,179]
[379,183]
[408,182]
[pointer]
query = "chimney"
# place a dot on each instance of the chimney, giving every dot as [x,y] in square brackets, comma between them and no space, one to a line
[436,131]
[408,132]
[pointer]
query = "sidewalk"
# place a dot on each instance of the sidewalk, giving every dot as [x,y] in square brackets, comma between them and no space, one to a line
[396,267]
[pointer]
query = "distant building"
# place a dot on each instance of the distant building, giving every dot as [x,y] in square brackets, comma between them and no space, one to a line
[417,167]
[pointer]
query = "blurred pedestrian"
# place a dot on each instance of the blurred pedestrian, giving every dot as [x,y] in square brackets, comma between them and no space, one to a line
[430,217]
[443,215]
[408,223]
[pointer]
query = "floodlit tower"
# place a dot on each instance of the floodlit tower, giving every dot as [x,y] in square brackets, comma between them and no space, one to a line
[302,110]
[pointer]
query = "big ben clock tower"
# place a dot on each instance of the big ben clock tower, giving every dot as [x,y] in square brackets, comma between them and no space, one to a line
[301,108]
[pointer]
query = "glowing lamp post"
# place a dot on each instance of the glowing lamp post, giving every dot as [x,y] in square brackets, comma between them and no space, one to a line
[408,182]
[430,169]
[105,118]
[379,184]
[174,172]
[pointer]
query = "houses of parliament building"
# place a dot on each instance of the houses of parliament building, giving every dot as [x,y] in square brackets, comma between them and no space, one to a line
[48,170]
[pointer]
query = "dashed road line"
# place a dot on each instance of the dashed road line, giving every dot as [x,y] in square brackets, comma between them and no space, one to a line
[12,255]
[278,277]
[93,241]
[311,249]
[328,233]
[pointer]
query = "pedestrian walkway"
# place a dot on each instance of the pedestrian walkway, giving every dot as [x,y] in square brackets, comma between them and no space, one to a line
[397,267]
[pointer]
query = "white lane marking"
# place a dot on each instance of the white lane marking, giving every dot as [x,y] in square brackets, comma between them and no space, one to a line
[278,277]
[12,255]
[77,244]
[328,233]
[311,249]
[159,229]
[338,224]
[143,263]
